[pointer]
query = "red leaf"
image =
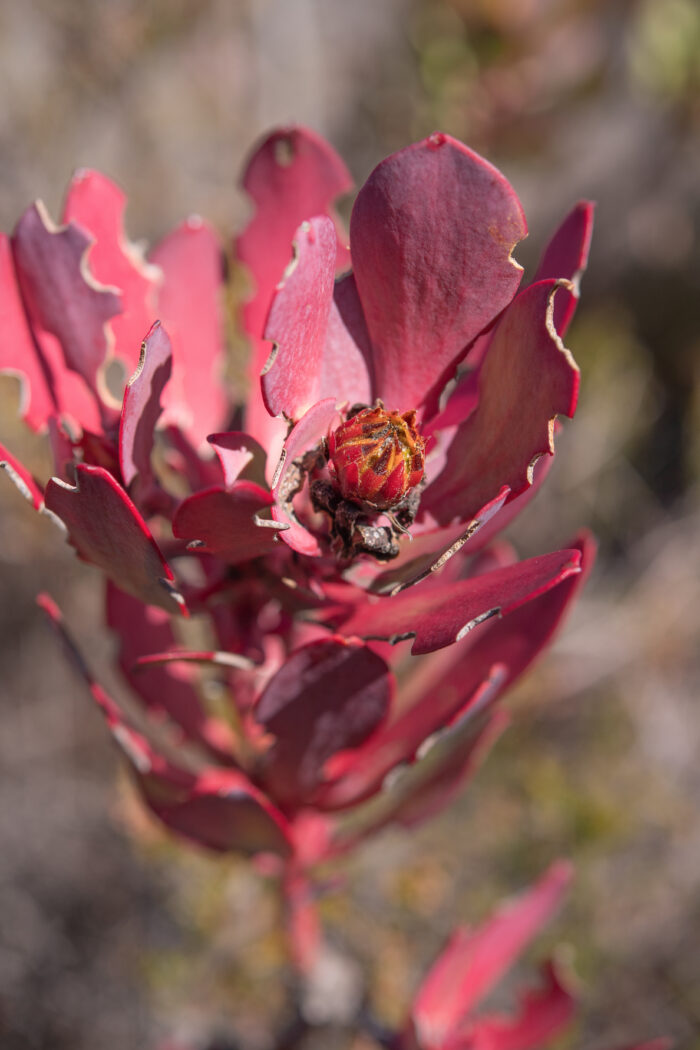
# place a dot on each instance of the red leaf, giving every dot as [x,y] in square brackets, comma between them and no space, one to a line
[141,408]
[543,1014]
[429,552]
[439,615]
[225,522]
[303,437]
[106,529]
[97,205]
[425,774]
[143,629]
[474,960]
[223,811]
[190,308]
[328,696]
[527,379]
[347,358]
[453,760]
[292,376]
[315,355]
[18,352]
[236,451]
[431,234]
[443,685]
[566,257]
[293,175]
[356,776]
[218,809]
[61,296]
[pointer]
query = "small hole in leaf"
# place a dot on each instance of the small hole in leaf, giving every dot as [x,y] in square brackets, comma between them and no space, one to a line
[115,377]
[284,152]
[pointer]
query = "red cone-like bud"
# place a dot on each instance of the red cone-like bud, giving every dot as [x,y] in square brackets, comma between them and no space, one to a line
[377,457]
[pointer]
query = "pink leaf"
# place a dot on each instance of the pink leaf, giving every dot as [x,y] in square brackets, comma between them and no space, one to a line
[190,307]
[142,406]
[61,296]
[18,352]
[218,809]
[527,379]
[439,615]
[226,523]
[432,233]
[106,529]
[304,436]
[543,1014]
[298,322]
[328,696]
[236,451]
[293,175]
[474,960]
[566,257]
[97,205]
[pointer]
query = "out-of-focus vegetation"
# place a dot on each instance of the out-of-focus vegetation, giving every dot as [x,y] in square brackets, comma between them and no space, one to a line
[112,936]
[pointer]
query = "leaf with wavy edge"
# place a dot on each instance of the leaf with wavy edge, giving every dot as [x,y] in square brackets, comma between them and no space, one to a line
[527,379]
[475,959]
[291,176]
[19,355]
[307,433]
[107,530]
[542,1014]
[438,615]
[313,355]
[97,204]
[566,256]
[61,295]
[425,565]
[236,451]
[190,306]
[432,232]
[226,522]
[141,407]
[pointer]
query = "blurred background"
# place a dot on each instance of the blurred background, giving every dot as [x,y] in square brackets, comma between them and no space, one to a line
[111,936]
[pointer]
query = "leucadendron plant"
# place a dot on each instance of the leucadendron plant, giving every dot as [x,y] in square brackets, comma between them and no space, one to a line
[331,527]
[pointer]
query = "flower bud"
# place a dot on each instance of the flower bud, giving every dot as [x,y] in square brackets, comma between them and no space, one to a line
[377,457]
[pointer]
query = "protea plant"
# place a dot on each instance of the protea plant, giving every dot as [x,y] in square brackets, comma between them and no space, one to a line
[331,528]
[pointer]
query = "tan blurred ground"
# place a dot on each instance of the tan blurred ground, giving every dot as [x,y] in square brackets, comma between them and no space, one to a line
[111,938]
